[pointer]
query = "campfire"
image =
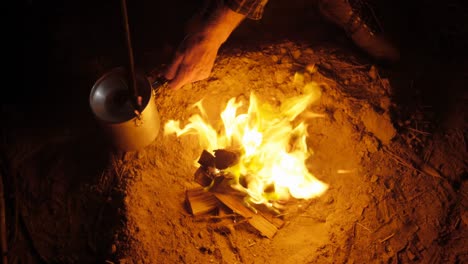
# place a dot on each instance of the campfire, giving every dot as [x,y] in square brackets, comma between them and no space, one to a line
[253,162]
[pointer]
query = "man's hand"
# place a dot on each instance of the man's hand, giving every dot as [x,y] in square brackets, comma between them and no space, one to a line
[195,57]
[193,61]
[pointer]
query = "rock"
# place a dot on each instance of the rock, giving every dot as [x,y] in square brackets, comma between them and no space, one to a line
[378,124]
[326,65]
[374,178]
[386,85]
[410,255]
[296,54]
[298,79]
[371,144]
[188,86]
[275,58]
[464,217]
[373,73]
[309,51]
[385,103]
[311,68]
[125,261]
[113,249]
[280,76]
[339,116]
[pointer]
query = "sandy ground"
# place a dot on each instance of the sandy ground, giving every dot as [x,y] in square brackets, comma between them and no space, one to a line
[377,211]
[398,134]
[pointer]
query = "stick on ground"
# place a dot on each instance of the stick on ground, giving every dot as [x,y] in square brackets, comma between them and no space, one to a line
[257,221]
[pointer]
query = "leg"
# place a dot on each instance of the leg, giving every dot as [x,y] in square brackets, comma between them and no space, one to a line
[356,18]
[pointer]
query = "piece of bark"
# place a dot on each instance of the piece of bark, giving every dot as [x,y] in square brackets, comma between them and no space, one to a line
[225,158]
[200,201]
[235,203]
[206,159]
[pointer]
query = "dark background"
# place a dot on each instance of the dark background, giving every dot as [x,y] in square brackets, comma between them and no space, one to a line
[67,45]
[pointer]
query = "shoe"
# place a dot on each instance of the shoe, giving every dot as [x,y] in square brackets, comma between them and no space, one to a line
[356,18]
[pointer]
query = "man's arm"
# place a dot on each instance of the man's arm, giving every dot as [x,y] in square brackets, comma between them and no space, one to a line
[195,57]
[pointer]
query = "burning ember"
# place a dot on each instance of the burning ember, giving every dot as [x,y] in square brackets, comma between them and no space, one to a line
[268,145]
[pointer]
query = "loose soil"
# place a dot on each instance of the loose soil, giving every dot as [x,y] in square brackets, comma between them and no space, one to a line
[393,154]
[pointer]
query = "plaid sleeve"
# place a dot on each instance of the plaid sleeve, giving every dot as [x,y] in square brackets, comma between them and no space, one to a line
[253,9]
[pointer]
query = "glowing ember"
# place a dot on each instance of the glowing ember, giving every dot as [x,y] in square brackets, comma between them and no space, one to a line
[272,143]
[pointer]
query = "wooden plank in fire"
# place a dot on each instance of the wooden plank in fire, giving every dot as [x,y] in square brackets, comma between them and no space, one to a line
[278,222]
[235,203]
[200,201]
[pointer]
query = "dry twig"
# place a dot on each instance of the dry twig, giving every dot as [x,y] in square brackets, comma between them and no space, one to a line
[423,168]
[419,131]
[366,228]
[401,161]
[428,152]
[387,238]
[215,217]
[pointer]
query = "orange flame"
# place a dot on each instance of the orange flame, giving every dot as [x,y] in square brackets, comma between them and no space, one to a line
[273,146]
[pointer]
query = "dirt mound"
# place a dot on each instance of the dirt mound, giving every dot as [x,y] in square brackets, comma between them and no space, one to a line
[376,209]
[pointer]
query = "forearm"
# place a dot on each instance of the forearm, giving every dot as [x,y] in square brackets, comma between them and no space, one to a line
[220,24]
[195,56]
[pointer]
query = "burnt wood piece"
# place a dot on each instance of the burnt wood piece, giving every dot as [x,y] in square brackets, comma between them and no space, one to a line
[206,159]
[216,181]
[235,203]
[226,158]
[223,183]
[200,201]
[202,177]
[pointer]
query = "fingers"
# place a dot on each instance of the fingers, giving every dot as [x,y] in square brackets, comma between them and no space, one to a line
[188,73]
[176,72]
[193,62]
[180,79]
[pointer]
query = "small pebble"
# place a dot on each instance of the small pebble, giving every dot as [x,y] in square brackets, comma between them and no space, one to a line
[373,73]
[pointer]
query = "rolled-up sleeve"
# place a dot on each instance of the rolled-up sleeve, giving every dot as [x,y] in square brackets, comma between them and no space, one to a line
[252,9]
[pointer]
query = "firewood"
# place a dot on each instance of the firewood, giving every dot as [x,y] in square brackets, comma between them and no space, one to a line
[219,182]
[202,177]
[206,159]
[235,203]
[222,184]
[226,158]
[200,201]
[274,219]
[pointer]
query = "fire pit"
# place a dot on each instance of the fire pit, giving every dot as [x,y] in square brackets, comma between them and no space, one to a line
[382,196]
[341,137]
[266,163]
[387,141]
